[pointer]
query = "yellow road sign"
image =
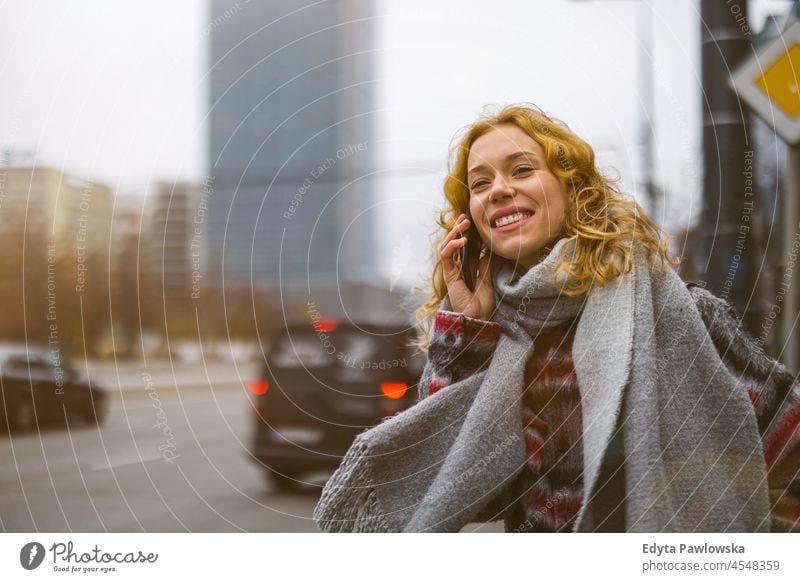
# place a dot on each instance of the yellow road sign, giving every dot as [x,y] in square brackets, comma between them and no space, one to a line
[781,80]
[769,83]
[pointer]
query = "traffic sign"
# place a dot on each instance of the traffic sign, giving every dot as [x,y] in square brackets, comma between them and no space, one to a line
[769,83]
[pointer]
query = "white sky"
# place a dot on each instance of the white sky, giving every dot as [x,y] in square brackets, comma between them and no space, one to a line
[115,90]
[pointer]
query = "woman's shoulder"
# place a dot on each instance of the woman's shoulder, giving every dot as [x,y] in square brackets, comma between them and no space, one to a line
[719,315]
[724,325]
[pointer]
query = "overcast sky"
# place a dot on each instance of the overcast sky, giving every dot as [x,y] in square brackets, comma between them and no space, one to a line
[115,89]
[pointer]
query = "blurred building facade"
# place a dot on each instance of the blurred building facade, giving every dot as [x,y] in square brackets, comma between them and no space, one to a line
[291,150]
[55,234]
[171,227]
[71,213]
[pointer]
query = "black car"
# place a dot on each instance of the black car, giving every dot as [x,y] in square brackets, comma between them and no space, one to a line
[321,385]
[39,387]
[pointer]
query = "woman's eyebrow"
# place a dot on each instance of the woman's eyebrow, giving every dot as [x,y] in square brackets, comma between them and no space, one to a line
[510,157]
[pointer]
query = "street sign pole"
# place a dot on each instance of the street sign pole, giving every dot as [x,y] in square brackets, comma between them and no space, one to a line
[791,238]
[728,256]
[770,84]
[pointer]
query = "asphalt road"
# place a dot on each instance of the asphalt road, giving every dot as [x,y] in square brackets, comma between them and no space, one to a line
[133,475]
[171,457]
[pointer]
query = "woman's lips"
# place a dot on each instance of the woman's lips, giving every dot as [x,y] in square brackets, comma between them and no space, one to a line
[514,225]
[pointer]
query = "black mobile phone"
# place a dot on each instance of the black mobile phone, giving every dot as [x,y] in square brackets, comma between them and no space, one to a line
[470,254]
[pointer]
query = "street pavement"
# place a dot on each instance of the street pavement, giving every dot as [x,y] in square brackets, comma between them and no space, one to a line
[171,457]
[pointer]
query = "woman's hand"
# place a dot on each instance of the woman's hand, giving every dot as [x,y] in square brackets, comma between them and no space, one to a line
[479,304]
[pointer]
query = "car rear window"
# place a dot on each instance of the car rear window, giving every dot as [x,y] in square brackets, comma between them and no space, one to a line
[345,347]
[299,351]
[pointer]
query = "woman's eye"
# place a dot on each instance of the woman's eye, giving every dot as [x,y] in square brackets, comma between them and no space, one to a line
[478,184]
[523,169]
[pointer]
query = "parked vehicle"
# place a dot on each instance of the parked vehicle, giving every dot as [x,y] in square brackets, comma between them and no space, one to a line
[323,384]
[39,387]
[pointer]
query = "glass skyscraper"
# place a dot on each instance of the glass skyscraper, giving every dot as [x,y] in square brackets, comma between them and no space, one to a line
[291,147]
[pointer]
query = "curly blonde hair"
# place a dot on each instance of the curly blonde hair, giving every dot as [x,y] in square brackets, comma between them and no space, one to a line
[604,224]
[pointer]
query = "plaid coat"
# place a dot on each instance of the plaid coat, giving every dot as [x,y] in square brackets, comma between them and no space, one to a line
[462,346]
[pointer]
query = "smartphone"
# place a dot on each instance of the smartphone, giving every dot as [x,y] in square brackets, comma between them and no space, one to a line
[470,254]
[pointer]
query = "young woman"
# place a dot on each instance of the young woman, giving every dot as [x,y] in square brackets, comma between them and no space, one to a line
[577,384]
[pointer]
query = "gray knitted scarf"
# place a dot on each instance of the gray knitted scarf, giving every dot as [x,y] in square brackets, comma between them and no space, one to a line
[692,448]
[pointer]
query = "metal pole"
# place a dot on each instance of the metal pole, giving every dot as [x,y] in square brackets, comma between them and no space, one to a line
[727,149]
[645,58]
[791,245]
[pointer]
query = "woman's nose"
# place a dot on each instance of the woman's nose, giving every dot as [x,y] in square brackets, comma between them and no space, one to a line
[500,188]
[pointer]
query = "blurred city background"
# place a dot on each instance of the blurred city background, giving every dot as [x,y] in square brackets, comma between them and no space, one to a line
[199,198]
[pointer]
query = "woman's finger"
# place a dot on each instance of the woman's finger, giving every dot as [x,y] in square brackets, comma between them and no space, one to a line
[454,235]
[449,254]
[462,223]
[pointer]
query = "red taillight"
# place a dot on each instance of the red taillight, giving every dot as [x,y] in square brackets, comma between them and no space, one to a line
[394,390]
[325,324]
[258,387]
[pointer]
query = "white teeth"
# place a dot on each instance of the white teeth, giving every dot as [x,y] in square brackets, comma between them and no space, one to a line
[511,218]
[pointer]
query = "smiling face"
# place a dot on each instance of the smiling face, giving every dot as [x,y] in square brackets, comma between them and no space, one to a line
[518,205]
